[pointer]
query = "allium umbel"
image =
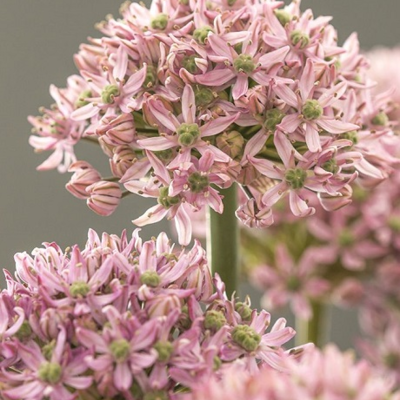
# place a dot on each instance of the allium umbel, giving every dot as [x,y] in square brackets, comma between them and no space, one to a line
[125,318]
[192,96]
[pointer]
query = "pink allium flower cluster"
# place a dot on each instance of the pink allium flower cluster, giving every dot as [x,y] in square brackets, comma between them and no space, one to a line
[327,374]
[190,96]
[124,319]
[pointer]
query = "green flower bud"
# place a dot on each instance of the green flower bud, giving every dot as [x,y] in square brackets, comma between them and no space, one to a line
[188,133]
[79,288]
[24,331]
[108,94]
[81,100]
[217,363]
[189,63]
[160,22]
[299,37]
[120,349]
[164,350]
[203,96]
[273,117]
[244,63]
[312,110]
[156,395]
[151,77]
[164,155]
[346,238]
[214,320]
[200,34]
[165,200]
[394,223]
[380,119]
[50,372]
[150,278]
[283,16]
[352,135]
[198,182]
[231,143]
[231,2]
[47,349]
[295,178]
[246,337]
[244,310]
[331,166]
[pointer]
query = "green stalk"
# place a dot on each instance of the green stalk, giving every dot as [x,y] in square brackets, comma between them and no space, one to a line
[223,241]
[314,329]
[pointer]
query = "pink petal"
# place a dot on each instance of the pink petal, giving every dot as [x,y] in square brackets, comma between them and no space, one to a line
[151,216]
[158,143]
[188,105]
[298,206]
[274,57]
[183,226]
[217,77]
[241,86]
[290,123]
[336,126]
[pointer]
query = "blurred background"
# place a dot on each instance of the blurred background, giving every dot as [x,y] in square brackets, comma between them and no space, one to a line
[38,40]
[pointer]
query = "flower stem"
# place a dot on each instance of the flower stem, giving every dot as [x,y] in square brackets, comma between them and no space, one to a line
[314,329]
[223,241]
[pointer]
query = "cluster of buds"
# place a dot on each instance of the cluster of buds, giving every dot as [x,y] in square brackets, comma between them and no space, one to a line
[190,96]
[125,319]
[327,374]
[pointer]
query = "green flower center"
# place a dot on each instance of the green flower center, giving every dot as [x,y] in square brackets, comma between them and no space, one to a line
[200,34]
[312,110]
[24,331]
[50,372]
[283,17]
[164,350]
[214,320]
[380,119]
[295,178]
[203,96]
[47,349]
[160,22]
[120,349]
[81,100]
[151,77]
[244,310]
[246,337]
[217,363]
[189,63]
[352,136]
[79,288]
[346,238]
[394,223]
[108,94]
[293,284]
[299,37]
[165,200]
[273,117]
[150,278]
[188,133]
[156,395]
[244,63]
[198,182]
[330,166]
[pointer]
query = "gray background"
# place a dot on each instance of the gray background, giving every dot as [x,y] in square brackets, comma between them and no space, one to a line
[37,41]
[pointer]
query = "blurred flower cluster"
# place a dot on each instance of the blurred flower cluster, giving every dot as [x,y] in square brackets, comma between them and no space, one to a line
[125,319]
[190,96]
[327,374]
